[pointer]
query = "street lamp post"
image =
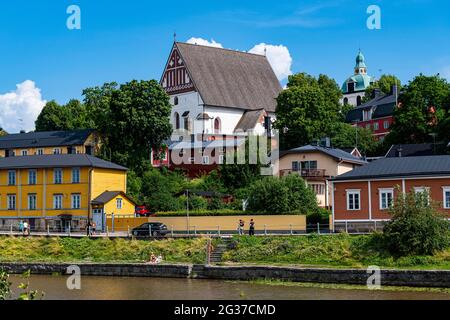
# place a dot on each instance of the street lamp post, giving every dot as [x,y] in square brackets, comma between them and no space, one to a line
[187,211]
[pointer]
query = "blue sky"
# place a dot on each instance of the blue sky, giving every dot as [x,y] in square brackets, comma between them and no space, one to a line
[124,40]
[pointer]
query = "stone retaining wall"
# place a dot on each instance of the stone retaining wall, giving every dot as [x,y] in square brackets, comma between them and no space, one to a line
[412,278]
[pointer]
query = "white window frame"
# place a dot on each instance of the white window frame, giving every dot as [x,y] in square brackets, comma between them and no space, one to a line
[11,201]
[221,159]
[386,124]
[119,203]
[57,201]
[385,191]
[24,152]
[57,151]
[444,203]
[34,171]
[205,159]
[12,176]
[54,176]
[79,173]
[30,196]
[76,201]
[353,192]
[376,126]
[40,152]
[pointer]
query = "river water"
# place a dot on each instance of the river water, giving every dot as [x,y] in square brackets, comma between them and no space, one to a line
[124,288]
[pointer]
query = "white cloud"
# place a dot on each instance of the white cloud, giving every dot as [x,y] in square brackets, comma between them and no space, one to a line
[24,103]
[279,58]
[204,42]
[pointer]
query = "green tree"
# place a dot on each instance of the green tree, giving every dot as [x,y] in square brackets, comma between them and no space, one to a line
[384,84]
[346,136]
[133,119]
[423,105]
[307,109]
[416,227]
[70,116]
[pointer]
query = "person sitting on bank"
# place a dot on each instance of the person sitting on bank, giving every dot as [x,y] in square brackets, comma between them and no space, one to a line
[153,258]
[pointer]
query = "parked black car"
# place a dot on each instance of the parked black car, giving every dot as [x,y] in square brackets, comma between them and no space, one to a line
[154,229]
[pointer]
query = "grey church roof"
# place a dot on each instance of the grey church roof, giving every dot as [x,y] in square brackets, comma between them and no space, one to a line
[333,152]
[249,120]
[229,78]
[57,160]
[400,167]
[45,139]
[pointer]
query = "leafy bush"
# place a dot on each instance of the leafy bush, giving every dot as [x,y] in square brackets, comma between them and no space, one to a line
[416,227]
[286,194]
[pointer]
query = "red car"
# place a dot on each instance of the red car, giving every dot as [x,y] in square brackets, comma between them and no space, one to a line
[142,211]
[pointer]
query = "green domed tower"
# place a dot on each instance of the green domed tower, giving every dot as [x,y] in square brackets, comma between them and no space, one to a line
[358,83]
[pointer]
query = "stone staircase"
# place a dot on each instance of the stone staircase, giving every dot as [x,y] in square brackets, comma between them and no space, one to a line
[219,250]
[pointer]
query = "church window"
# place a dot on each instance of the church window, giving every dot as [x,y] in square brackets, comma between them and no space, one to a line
[175,101]
[351,87]
[177,120]
[358,100]
[345,100]
[217,125]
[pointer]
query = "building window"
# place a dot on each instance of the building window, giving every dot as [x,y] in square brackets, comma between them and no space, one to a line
[24,152]
[386,124]
[345,100]
[11,178]
[57,151]
[31,176]
[75,175]
[11,198]
[366,115]
[177,120]
[57,176]
[119,203]
[358,100]
[422,191]
[217,125]
[386,198]
[187,124]
[294,165]
[32,201]
[447,197]
[367,125]
[57,201]
[319,189]
[375,126]
[205,160]
[76,201]
[309,165]
[353,199]
[175,101]
[40,152]
[221,159]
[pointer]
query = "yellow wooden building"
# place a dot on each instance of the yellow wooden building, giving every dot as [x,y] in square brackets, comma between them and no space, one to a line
[50,142]
[56,190]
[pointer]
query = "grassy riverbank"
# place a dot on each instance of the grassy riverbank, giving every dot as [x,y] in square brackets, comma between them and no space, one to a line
[336,251]
[328,251]
[35,249]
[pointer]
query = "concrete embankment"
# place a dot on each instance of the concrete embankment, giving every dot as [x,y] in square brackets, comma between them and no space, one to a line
[412,278]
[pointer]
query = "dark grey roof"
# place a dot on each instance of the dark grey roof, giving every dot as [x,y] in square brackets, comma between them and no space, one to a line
[400,167]
[383,105]
[335,153]
[230,78]
[107,196]
[45,139]
[249,120]
[416,150]
[57,160]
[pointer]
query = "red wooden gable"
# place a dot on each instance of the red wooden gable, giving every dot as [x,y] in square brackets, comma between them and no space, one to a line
[176,78]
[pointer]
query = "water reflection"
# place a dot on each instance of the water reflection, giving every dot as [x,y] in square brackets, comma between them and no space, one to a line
[129,288]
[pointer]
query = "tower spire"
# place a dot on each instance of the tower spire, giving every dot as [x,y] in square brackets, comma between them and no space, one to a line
[174,36]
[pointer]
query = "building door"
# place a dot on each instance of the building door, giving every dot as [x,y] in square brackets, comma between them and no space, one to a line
[99,218]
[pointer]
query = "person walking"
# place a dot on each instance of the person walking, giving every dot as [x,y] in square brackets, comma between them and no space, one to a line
[241,227]
[94,226]
[21,226]
[251,230]
[25,228]
[88,229]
